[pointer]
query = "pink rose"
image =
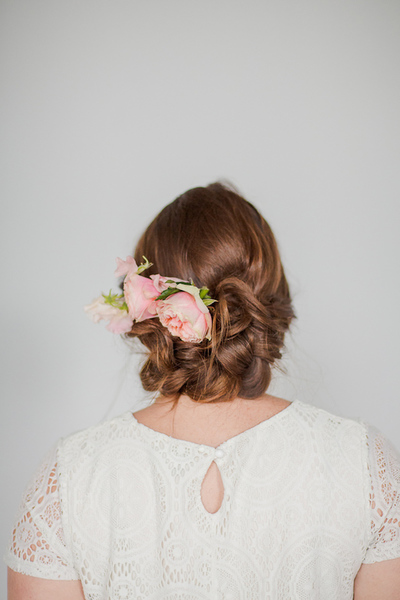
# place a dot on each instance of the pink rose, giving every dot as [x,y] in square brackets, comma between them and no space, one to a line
[120,321]
[140,294]
[160,282]
[184,313]
[185,316]
[139,291]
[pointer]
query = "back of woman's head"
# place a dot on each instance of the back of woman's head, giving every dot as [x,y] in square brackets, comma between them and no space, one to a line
[213,236]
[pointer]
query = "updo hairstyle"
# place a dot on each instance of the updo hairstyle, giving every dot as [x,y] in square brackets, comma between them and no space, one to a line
[213,236]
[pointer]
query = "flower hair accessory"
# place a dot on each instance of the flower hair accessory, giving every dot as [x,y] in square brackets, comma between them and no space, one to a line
[181,306]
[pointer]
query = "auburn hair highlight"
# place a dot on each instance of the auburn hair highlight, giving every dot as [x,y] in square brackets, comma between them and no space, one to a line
[216,238]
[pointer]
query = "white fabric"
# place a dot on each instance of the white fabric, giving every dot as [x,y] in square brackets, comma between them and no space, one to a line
[308,497]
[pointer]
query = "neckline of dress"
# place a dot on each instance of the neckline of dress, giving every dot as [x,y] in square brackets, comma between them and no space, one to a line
[260,425]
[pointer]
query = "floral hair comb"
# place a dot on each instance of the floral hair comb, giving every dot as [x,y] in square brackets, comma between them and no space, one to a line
[181,306]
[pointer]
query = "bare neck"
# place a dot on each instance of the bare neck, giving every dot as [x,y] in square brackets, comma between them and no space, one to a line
[209,424]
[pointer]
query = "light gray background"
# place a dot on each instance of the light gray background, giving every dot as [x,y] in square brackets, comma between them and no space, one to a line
[113,108]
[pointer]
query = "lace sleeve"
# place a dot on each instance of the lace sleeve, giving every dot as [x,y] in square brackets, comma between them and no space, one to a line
[384,472]
[37,545]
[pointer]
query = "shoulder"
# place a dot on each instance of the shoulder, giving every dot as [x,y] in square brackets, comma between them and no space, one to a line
[78,447]
[321,420]
[354,437]
[341,442]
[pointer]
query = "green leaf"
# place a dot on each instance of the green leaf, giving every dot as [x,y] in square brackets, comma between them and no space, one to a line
[143,266]
[115,300]
[203,292]
[178,282]
[208,301]
[168,292]
[110,298]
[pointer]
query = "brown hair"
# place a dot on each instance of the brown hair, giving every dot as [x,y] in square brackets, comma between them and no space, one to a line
[219,240]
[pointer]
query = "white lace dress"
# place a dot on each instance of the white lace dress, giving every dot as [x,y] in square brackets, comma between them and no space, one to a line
[308,497]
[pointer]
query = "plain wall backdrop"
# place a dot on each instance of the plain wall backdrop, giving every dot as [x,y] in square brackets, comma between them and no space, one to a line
[111,109]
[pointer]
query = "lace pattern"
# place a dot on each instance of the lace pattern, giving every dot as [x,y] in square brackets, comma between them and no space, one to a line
[307,498]
[37,545]
[384,472]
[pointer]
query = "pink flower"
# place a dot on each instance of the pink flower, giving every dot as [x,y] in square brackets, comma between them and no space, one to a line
[140,294]
[160,282]
[125,267]
[120,321]
[184,313]
[185,316]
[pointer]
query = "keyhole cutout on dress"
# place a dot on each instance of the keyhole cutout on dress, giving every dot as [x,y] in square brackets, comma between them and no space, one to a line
[212,489]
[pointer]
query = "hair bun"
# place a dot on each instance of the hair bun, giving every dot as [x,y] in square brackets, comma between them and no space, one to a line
[225,245]
[249,333]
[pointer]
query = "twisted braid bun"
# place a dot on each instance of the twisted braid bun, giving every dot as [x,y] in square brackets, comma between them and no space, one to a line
[216,238]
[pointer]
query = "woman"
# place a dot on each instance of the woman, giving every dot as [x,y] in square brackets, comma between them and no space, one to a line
[217,489]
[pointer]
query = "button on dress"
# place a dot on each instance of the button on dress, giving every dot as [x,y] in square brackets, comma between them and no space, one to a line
[308,497]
